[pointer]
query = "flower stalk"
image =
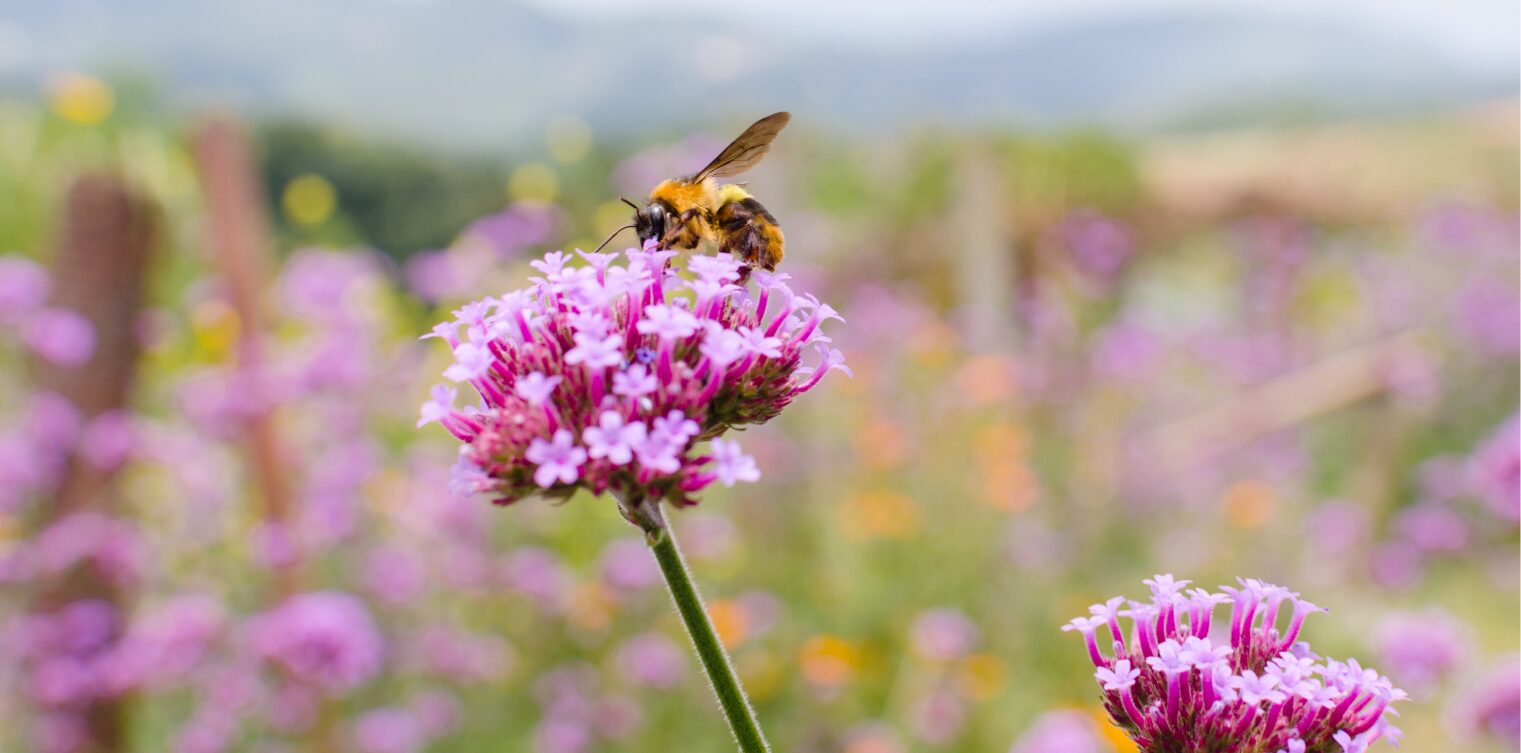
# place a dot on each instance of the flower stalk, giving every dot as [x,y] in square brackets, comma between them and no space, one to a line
[694,615]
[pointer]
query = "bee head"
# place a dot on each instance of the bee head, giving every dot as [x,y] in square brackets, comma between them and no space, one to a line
[649,220]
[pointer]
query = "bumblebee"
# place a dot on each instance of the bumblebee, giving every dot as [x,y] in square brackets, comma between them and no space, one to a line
[685,213]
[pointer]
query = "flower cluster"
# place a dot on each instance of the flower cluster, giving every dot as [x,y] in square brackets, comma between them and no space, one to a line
[606,377]
[1175,685]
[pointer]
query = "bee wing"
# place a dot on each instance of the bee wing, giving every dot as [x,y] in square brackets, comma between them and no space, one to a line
[744,152]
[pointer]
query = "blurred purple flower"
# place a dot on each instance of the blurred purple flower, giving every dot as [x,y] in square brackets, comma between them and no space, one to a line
[1432,527]
[325,638]
[68,651]
[762,610]
[24,288]
[395,575]
[652,659]
[626,565]
[1100,245]
[561,736]
[293,707]
[324,285]
[108,440]
[61,336]
[454,654]
[52,421]
[113,548]
[166,643]
[1398,564]
[1126,352]
[1420,648]
[388,730]
[618,717]
[516,227]
[272,545]
[1338,527]
[707,536]
[536,572]
[944,634]
[1494,470]
[436,711]
[1060,732]
[1491,707]
[59,732]
[635,175]
[938,717]
[1442,478]
[1485,312]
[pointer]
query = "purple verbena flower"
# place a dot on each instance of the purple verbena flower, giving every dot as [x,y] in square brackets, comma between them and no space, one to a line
[607,377]
[1171,687]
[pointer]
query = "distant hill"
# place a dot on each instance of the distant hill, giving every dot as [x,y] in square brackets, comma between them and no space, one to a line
[483,73]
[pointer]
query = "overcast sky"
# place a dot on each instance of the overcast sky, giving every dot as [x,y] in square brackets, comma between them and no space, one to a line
[1483,32]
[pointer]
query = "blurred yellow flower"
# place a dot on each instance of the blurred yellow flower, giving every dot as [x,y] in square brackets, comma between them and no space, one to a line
[1000,441]
[730,620]
[878,513]
[534,181]
[1116,737]
[762,675]
[569,139]
[308,200]
[980,676]
[216,327]
[81,99]
[1249,504]
[829,660]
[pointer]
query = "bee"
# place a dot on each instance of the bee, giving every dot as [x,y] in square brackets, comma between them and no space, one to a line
[685,213]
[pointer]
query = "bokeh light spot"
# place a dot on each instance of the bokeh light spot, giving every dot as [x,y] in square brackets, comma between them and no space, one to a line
[309,200]
[81,99]
[569,139]
[534,181]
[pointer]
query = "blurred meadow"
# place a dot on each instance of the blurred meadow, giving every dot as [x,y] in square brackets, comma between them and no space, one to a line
[1277,343]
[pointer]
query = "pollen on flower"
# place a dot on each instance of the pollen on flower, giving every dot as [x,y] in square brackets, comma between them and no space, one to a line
[1179,681]
[609,378]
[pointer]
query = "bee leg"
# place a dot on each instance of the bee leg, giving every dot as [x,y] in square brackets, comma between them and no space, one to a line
[678,226]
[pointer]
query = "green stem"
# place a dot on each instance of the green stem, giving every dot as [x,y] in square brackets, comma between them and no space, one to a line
[715,661]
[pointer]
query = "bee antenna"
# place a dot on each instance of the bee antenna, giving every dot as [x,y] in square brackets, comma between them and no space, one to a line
[611,237]
[630,203]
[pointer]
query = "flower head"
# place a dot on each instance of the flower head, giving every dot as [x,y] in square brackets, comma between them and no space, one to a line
[1172,687]
[609,377]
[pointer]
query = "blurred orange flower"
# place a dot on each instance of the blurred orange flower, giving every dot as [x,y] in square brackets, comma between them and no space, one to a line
[1249,504]
[829,660]
[879,513]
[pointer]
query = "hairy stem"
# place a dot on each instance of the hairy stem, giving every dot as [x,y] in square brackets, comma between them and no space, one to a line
[715,661]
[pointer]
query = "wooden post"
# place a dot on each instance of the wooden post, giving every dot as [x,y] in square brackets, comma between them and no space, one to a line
[240,238]
[99,270]
[984,262]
